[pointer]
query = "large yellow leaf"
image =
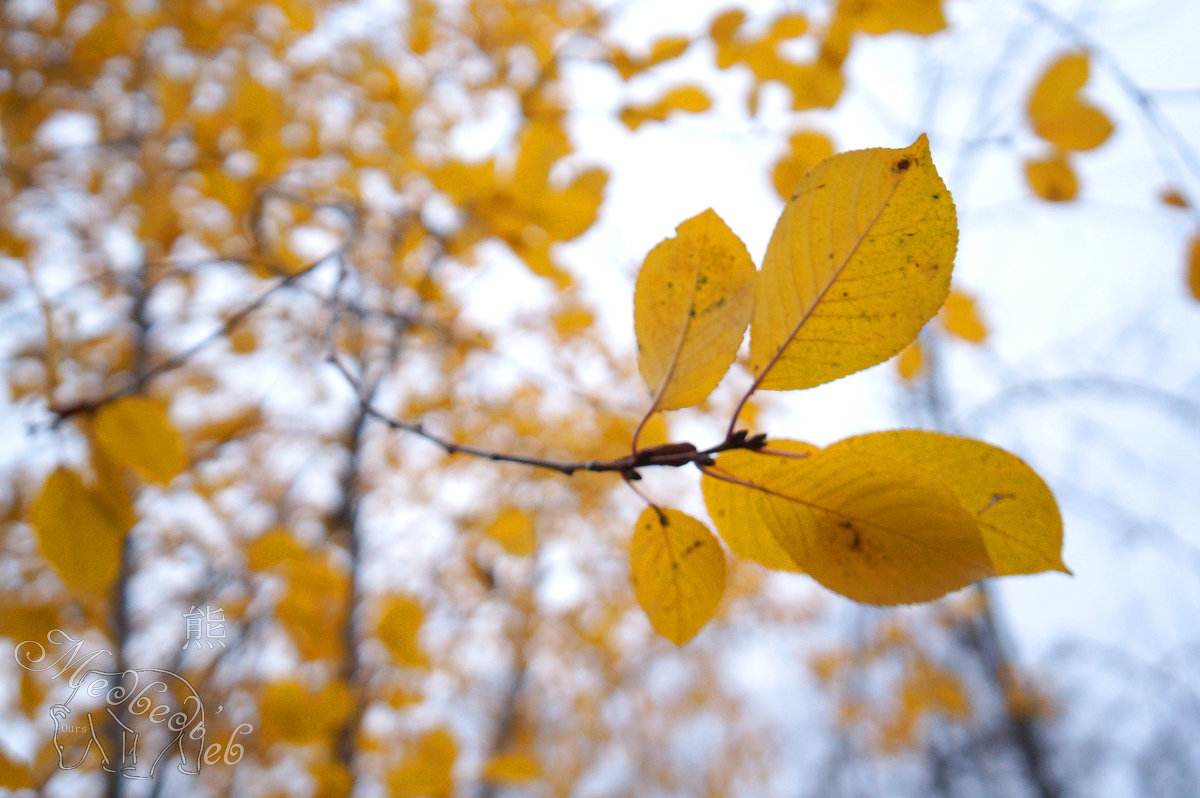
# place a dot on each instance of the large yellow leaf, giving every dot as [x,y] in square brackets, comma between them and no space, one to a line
[677,570]
[858,262]
[693,299]
[749,541]
[1017,514]
[136,431]
[79,533]
[871,527]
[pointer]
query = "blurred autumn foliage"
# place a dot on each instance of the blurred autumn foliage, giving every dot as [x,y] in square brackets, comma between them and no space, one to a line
[244,248]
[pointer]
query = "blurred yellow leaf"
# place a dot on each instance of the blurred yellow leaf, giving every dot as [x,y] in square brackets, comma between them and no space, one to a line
[806,149]
[677,570]
[14,775]
[514,530]
[961,317]
[274,547]
[78,532]
[513,767]
[858,262]
[293,713]
[1052,178]
[860,522]
[1016,512]
[664,49]
[1194,266]
[1056,112]
[427,770]
[691,305]
[884,16]
[688,98]
[136,431]
[399,625]
[911,360]
[1173,198]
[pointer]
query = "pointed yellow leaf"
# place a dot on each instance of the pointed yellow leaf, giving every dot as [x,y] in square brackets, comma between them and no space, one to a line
[1194,266]
[399,626]
[910,361]
[1052,178]
[960,317]
[858,262]
[511,768]
[514,530]
[692,302]
[136,431]
[863,524]
[806,149]
[78,532]
[427,770]
[1017,514]
[677,570]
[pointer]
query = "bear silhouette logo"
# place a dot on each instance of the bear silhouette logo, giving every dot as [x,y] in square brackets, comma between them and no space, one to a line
[157,716]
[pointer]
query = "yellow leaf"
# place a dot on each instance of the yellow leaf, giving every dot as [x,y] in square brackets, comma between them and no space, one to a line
[1194,266]
[858,262]
[1052,178]
[276,546]
[514,530]
[691,305]
[293,713]
[1017,514]
[863,524]
[806,149]
[426,771]
[78,532]
[960,317]
[677,570]
[135,431]
[664,49]
[422,17]
[14,775]
[511,768]
[688,98]
[747,540]
[910,361]
[399,626]
[885,16]
[1057,113]
[1173,198]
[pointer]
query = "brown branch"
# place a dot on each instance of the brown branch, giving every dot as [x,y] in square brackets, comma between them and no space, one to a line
[672,455]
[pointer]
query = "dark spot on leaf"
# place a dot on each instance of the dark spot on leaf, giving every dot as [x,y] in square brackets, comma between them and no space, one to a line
[901,165]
